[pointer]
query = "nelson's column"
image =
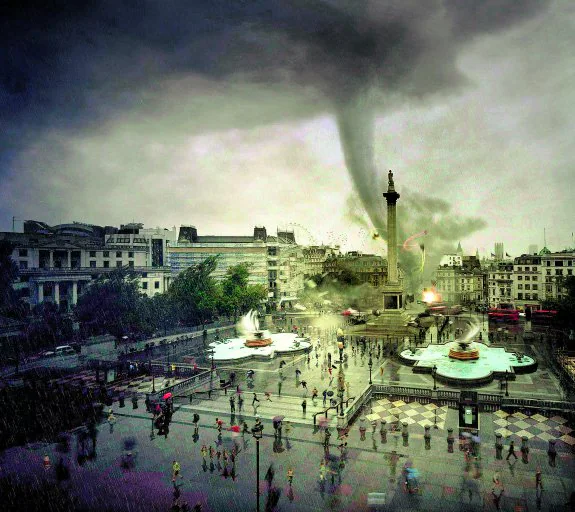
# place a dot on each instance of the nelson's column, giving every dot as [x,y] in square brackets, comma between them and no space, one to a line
[393,318]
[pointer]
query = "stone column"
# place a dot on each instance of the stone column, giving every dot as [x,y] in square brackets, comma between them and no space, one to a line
[40,292]
[74,292]
[51,259]
[391,196]
[69,259]
[57,293]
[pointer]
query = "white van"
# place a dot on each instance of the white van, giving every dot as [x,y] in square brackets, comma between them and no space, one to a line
[65,350]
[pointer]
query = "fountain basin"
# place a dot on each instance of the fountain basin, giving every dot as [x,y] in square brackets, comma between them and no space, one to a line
[492,362]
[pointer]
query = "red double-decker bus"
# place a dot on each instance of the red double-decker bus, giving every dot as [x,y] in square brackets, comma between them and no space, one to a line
[543,316]
[503,313]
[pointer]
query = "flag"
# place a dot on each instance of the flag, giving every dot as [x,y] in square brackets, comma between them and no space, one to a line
[492,255]
[508,255]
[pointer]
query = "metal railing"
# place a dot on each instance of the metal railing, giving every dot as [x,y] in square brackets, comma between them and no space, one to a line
[188,385]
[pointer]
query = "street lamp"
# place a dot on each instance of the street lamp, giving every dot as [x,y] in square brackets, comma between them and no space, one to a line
[434,374]
[212,370]
[340,388]
[506,383]
[370,364]
[257,432]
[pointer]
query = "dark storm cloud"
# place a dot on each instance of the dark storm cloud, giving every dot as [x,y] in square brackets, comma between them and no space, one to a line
[76,65]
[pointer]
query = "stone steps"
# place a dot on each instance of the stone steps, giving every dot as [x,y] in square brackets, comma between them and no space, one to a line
[285,405]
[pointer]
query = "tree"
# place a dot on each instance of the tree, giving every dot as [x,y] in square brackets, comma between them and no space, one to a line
[194,292]
[237,296]
[566,306]
[112,303]
[10,304]
[48,327]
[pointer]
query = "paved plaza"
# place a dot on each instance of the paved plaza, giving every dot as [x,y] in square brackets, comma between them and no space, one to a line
[372,462]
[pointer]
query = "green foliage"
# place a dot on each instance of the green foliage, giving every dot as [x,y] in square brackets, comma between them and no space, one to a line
[48,327]
[237,296]
[565,307]
[10,305]
[112,303]
[194,293]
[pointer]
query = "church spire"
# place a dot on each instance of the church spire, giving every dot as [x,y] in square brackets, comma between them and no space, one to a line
[459,249]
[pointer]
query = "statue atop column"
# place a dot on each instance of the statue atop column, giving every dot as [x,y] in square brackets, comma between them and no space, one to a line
[390,183]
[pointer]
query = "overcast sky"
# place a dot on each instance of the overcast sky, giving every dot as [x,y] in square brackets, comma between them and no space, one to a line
[229,114]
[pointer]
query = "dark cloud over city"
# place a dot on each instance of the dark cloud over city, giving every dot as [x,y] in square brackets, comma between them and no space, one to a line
[171,112]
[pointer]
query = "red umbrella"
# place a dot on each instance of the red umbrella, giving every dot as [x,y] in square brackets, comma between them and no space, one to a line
[235,428]
[167,395]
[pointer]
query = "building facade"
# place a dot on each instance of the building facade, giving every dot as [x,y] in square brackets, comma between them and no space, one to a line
[461,280]
[555,268]
[527,282]
[500,284]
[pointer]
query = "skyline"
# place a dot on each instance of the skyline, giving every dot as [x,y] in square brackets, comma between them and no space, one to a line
[110,117]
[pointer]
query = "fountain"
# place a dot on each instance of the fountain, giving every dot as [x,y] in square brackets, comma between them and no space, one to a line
[249,327]
[256,343]
[464,350]
[467,361]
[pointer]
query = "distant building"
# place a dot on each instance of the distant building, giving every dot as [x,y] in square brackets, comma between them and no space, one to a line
[527,282]
[451,260]
[370,268]
[556,267]
[275,262]
[460,279]
[500,284]
[499,251]
[57,268]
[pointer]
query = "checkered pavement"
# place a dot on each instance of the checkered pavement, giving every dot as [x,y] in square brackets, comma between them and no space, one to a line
[533,427]
[410,413]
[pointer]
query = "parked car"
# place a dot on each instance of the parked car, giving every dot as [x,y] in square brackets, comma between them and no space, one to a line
[65,350]
[48,353]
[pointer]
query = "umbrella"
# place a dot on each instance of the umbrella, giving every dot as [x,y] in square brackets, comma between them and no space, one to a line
[466,434]
[330,393]
[476,439]
[167,395]
[323,422]
[235,428]
[275,419]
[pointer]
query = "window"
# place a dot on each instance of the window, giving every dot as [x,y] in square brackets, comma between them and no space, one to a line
[520,296]
[156,285]
[106,254]
[527,296]
[527,287]
[559,263]
[535,296]
[92,254]
[548,272]
[106,264]
[548,263]
[23,264]
[559,272]
[520,287]
[519,278]
[118,264]
[145,285]
[534,287]
[533,278]
[527,278]
[519,269]
[130,254]
[131,264]
[569,272]
[92,263]
[23,253]
[118,254]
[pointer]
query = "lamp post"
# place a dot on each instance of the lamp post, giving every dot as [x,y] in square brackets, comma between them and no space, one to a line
[434,374]
[257,433]
[212,370]
[506,383]
[340,388]
[370,364]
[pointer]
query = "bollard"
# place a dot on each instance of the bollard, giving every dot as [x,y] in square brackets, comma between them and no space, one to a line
[121,399]
[552,450]
[404,432]
[134,402]
[450,440]
[427,437]
[498,440]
